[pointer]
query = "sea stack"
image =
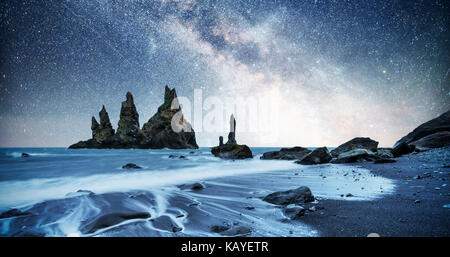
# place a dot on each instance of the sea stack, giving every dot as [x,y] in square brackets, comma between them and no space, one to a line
[166,129]
[231,150]
[128,127]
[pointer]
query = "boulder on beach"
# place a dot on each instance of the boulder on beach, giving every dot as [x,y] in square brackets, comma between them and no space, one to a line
[293,211]
[128,126]
[231,150]
[436,140]
[384,153]
[431,134]
[402,148]
[294,196]
[237,231]
[294,153]
[356,143]
[166,129]
[354,155]
[131,166]
[318,156]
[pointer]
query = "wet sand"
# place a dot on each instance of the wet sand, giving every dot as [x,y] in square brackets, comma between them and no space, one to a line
[398,214]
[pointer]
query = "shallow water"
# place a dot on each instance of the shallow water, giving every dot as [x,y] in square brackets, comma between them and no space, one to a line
[45,185]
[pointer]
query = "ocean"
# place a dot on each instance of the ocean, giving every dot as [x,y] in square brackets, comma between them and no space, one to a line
[67,191]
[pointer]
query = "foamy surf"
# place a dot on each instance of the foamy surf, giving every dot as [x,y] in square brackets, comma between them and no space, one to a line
[148,202]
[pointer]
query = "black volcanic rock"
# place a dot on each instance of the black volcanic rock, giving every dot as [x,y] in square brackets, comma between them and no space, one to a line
[294,153]
[318,156]
[131,166]
[128,127]
[104,130]
[356,143]
[295,196]
[355,155]
[231,150]
[436,140]
[166,129]
[402,148]
[439,124]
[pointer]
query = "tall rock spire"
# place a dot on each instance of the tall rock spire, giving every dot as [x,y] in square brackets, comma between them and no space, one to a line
[128,127]
[103,131]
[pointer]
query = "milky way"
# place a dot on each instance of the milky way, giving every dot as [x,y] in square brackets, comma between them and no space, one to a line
[334,69]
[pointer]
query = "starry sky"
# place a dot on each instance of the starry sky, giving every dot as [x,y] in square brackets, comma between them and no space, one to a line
[334,70]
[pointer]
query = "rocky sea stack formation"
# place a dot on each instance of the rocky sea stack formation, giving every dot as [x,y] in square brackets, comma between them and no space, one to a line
[231,150]
[166,129]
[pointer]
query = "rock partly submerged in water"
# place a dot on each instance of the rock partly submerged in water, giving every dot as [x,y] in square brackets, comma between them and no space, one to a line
[13,213]
[231,150]
[294,196]
[318,156]
[294,153]
[131,166]
[356,143]
[25,155]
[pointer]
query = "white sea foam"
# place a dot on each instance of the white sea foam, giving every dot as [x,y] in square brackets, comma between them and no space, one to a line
[18,193]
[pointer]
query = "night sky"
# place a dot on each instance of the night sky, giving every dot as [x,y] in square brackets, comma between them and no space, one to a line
[335,69]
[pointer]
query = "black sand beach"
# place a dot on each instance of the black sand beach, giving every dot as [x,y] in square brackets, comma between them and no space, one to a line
[398,214]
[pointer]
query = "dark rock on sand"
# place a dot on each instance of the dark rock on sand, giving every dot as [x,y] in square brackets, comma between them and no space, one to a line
[356,143]
[25,155]
[235,231]
[402,148]
[354,155]
[164,222]
[166,129]
[194,186]
[111,219]
[294,153]
[318,156]
[219,228]
[384,153]
[131,166]
[13,213]
[128,127]
[436,140]
[439,124]
[384,160]
[294,211]
[231,150]
[295,196]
